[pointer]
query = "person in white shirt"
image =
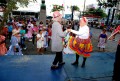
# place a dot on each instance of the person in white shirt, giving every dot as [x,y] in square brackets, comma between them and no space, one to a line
[45,35]
[20,24]
[81,44]
[40,42]
[30,25]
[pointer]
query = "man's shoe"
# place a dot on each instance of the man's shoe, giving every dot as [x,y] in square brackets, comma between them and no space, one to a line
[74,63]
[53,67]
[62,63]
[113,79]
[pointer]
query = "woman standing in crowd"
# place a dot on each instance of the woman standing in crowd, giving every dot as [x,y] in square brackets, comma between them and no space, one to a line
[102,40]
[30,31]
[40,42]
[81,44]
[14,48]
[45,34]
[49,34]
[35,31]
[3,48]
[56,38]
[5,31]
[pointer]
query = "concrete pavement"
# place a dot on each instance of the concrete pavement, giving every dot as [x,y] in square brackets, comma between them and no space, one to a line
[111,46]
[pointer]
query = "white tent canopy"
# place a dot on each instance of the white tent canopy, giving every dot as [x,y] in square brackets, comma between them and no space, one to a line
[32,7]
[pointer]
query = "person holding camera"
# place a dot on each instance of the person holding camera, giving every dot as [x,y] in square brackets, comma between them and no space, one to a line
[116,67]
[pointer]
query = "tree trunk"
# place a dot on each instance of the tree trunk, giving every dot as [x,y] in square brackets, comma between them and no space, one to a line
[108,17]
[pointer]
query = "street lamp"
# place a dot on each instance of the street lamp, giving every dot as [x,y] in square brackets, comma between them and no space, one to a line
[84,7]
[72,13]
[114,8]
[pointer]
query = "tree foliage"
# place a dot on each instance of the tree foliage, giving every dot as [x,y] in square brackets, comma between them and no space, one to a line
[108,3]
[75,8]
[118,16]
[57,8]
[96,12]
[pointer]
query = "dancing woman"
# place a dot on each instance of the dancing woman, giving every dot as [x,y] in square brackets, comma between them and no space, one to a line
[81,44]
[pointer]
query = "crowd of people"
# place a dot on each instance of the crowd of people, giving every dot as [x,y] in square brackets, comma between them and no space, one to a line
[17,31]
[29,29]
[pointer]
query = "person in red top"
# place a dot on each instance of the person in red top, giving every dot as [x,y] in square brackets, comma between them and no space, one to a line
[102,24]
[5,31]
[35,32]
[3,48]
[49,34]
[116,70]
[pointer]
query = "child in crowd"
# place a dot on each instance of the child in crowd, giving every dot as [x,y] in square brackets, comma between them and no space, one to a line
[40,25]
[22,38]
[45,35]
[91,34]
[40,42]
[10,28]
[14,48]
[102,40]
[35,31]
[29,33]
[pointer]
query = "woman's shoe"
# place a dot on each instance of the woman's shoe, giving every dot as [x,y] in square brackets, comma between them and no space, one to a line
[74,63]
[83,65]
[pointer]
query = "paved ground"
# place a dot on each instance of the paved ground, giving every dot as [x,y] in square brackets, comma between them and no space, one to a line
[110,46]
[37,68]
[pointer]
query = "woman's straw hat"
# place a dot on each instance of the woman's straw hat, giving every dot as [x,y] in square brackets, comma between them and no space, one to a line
[15,32]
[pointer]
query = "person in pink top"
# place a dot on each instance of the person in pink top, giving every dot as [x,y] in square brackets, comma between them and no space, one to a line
[30,31]
[35,32]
